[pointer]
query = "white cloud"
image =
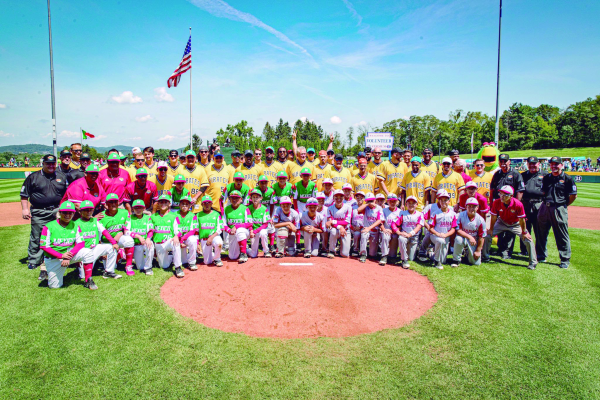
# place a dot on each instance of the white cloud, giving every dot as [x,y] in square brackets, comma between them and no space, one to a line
[47,135]
[406,117]
[303,119]
[355,15]
[221,9]
[6,134]
[162,95]
[3,106]
[361,123]
[69,134]
[133,138]
[167,138]
[126,97]
[335,120]
[145,118]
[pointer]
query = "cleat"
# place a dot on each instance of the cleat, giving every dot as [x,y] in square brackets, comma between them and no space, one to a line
[363,258]
[129,270]
[148,271]
[219,263]
[278,255]
[543,260]
[89,284]
[268,254]
[454,265]
[31,266]
[243,258]
[564,264]
[194,267]
[111,275]
[531,266]
[43,276]
[383,261]
[405,265]
[439,266]
[330,255]
[179,272]
[307,255]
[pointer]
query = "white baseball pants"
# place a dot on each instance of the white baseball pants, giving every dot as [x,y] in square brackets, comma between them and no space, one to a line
[345,241]
[188,255]
[163,257]
[261,237]
[212,252]
[143,256]
[234,247]
[459,244]
[56,271]
[125,242]
[311,243]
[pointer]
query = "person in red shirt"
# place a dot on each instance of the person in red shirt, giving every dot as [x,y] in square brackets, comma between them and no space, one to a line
[471,192]
[141,189]
[114,179]
[508,215]
[86,188]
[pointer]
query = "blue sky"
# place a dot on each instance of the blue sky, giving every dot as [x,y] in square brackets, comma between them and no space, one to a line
[340,63]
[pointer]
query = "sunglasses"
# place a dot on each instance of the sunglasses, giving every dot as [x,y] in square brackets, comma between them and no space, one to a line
[140,159]
[162,169]
[478,165]
[376,152]
[76,151]
[173,156]
[203,152]
[92,173]
[218,157]
[282,151]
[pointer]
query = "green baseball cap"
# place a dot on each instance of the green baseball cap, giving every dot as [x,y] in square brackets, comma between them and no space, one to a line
[122,156]
[235,193]
[281,174]
[310,150]
[263,178]
[86,204]
[185,198]
[141,171]
[270,148]
[164,197]
[67,206]
[179,178]
[112,196]
[113,157]
[92,168]
[139,203]
[207,198]
[256,191]
[305,171]
[190,153]
[416,159]
[238,175]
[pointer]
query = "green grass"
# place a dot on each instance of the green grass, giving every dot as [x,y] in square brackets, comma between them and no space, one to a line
[591,152]
[588,195]
[10,189]
[497,331]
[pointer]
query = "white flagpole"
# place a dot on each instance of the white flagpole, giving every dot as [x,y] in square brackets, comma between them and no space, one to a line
[52,84]
[191,99]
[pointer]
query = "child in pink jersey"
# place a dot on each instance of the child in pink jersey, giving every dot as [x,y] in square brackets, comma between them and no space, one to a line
[407,227]
[442,227]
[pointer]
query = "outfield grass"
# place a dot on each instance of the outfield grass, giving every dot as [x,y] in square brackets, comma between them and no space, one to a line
[10,189]
[591,152]
[497,331]
[588,195]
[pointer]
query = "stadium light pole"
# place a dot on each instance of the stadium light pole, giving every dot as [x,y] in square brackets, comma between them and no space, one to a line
[497,129]
[52,84]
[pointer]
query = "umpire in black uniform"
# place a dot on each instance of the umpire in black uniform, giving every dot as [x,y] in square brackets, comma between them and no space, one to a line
[44,189]
[532,199]
[511,177]
[559,191]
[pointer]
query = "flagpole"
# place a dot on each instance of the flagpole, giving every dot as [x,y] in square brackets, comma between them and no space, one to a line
[52,85]
[191,148]
[497,128]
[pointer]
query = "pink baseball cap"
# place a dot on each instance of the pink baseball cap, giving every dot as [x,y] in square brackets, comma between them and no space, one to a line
[369,196]
[347,186]
[412,198]
[285,200]
[442,193]
[507,189]
[327,180]
[338,192]
[472,201]
[471,184]
[321,195]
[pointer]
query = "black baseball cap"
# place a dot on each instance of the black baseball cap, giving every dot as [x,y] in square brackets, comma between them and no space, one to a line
[504,157]
[367,149]
[173,153]
[49,158]
[397,150]
[65,153]
[248,153]
[85,156]
[339,156]
[533,159]
[556,160]
[454,152]
[330,152]
[427,150]
[236,153]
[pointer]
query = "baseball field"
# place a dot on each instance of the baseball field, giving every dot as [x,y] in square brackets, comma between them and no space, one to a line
[496,331]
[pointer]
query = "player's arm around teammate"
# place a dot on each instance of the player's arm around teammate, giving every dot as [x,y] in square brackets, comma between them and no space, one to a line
[338,220]
[286,222]
[187,223]
[141,232]
[164,236]
[115,220]
[210,228]
[470,235]
[260,223]
[407,227]
[311,224]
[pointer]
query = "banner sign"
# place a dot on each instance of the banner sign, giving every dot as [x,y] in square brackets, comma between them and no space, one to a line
[384,140]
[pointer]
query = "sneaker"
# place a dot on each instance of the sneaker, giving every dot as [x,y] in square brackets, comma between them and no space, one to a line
[543,260]
[194,267]
[439,266]
[243,258]
[405,265]
[454,264]
[330,255]
[148,271]
[268,254]
[306,255]
[185,265]
[111,275]
[272,249]
[89,284]
[383,261]
[278,255]
[219,263]
[129,270]
[531,266]
[423,258]
[564,264]
[179,272]
[354,253]
[524,253]
[363,258]
[485,260]
[43,275]
[31,266]
[506,257]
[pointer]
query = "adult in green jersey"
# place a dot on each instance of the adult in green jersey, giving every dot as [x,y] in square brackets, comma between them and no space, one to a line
[140,227]
[210,225]
[237,224]
[178,191]
[260,222]
[116,220]
[164,236]
[305,189]
[187,223]
[93,231]
[62,244]
[267,194]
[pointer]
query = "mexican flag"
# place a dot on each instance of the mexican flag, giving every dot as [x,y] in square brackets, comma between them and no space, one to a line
[86,135]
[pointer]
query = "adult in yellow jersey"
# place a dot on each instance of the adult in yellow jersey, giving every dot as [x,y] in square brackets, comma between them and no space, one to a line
[150,163]
[354,170]
[271,166]
[406,157]
[330,157]
[294,167]
[429,166]
[138,162]
[363,180]
[195,179]
[375,163]
[203,160]
[282,157]
[174,166]
[250,169]
[310,153]
[218,179]
[448,180]
[236,161]
[338,173]
[392,172]
[75,156]
[320,169]
[416,183]
[162,180]
[482,178]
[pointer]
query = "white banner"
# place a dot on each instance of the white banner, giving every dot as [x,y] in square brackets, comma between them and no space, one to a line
[383,140]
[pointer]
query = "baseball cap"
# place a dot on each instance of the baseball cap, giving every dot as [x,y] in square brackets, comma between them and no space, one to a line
[347,186]
[533,159]
[217,155]
[85,156]
[427,150]
[360,193]
[92,168]
[504,157]
[162,164]
[141,171]
[185,198]
[86,205]
[263,178]
[190,153]
[270,148]
[361,154]
[556,159]
[113,157]
[179,178]
[65,153]
[206,199]
[442,193]
[369,196]
[136,150]
[290,151]
[416,159]
[49,158]
[281,174]
[173,153]
[203,148]
[454,152]
[164,197]
[248,153]
[362,160]
[446,160]
[338,156]
[321,195]
[122,156]
[312,202]
[284,200]
[473,201]
[396,150]
[413,198]
[67,206]
[367,149]
[139,203]
[507,189]
[330,151]
[235,193]
[236,153]
[338,192]
[239,175]
[256,191]
[392,196]
[310,150]
[327,180]
[470,184]
[112,196]
[380,196]
[305,171]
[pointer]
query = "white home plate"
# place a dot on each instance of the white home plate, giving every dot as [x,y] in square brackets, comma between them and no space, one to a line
[295,263]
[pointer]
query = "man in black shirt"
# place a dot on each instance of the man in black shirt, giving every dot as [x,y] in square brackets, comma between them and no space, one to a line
[532,199]
[44,189]
[65,161]
[76,173]
[559,191]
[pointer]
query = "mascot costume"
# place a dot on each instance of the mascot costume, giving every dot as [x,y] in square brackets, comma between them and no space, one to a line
[489,153]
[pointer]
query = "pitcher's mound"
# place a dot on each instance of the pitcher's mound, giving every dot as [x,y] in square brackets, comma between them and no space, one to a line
[271,298]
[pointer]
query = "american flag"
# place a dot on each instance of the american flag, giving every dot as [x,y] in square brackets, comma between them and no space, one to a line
[184,65]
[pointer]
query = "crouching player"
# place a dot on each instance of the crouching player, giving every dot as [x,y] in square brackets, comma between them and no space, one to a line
[116,221]
[187,227]
[357,225]
[164,236]
[259,232]
[407,227]
[471,234]
[237,225]
[209,231]
[338,222]
[62,243]
[286,222]
[442,227]
[312,224]
[389,240]
[92,232]
[140,227]
[373,221]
